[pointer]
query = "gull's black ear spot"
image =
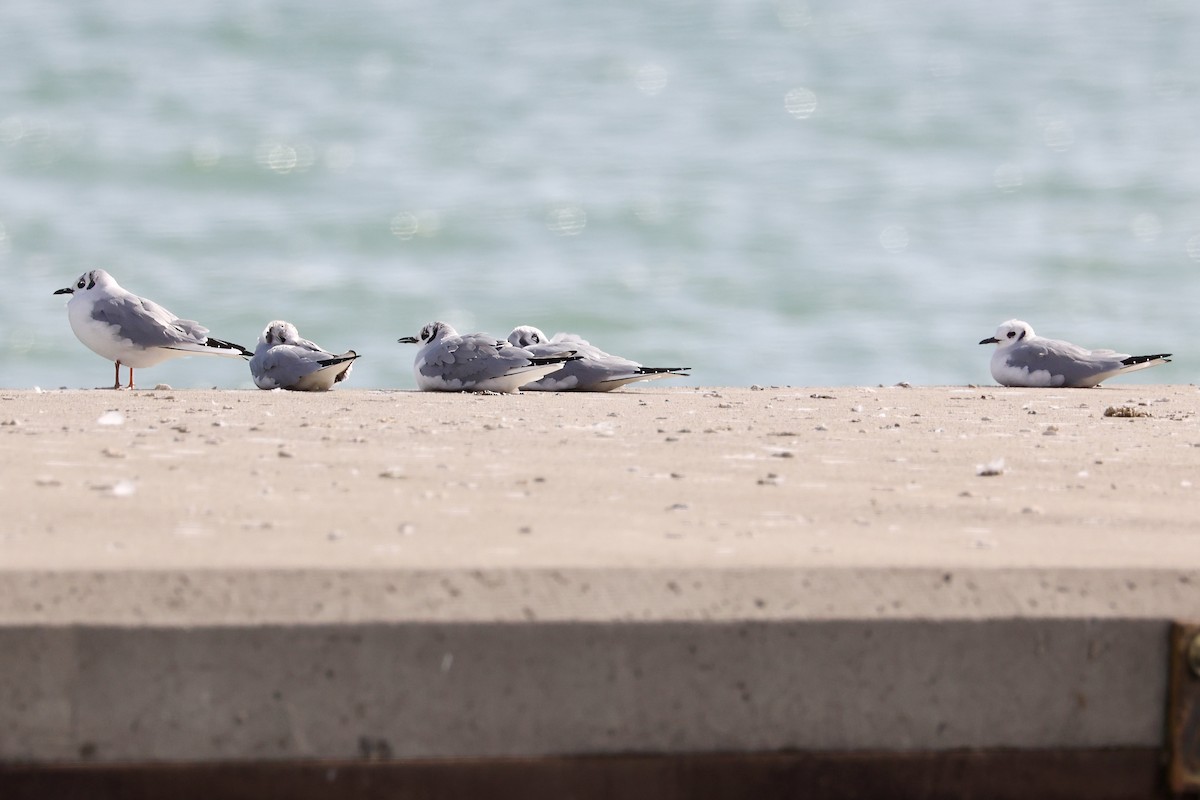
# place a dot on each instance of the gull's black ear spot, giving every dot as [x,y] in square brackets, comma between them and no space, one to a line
[91,280]
[1022,336]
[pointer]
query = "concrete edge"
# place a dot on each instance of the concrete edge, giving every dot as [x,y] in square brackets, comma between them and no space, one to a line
[232,597]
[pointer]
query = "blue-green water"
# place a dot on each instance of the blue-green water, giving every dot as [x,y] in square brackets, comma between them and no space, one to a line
[800,193]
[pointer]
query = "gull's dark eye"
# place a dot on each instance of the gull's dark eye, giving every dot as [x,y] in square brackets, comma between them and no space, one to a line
[1012,334]
[80,284]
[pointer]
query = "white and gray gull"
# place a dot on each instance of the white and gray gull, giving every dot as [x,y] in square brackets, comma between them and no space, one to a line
[594,370]
[284,360]
[1023,358]
[132,330]
[475,362]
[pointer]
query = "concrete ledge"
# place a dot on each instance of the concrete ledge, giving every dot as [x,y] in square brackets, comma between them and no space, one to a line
[103,693]
[993,775]
[202,597]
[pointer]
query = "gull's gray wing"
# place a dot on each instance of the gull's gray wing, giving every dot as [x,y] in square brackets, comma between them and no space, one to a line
[573,341]
[587,372]
[147,324]
[594,370]
[1051,362]
[466,360]
[288,366]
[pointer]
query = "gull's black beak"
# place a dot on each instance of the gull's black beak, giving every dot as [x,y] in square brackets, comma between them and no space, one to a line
[408,340]
[990,340]
[67,290]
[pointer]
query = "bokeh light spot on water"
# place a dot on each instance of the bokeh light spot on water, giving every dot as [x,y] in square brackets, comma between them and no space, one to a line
[650,79]
[5,244]
[12,130]
[566,220]
[282,158]
[1058,135]
[800,102]
[1008,177]
[407,224]
[1193,247]
[1146,226]
[894,238]
[404,225]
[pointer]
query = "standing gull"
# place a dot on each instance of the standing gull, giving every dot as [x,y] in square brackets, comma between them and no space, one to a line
[475,362]
[1023,358]
[132,330]
[594,370]
[283,360]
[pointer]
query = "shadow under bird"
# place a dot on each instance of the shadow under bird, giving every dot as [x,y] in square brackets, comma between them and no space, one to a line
[1023,358]
[475,362]
[284,360]
[593,371]
[133,331]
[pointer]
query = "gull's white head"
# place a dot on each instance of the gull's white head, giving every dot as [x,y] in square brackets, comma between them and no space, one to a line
[525,335]
[279,332]
[88,282]
[1009,333]
[430,333]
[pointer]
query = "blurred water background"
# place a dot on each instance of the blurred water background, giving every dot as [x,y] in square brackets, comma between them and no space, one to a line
[789,192]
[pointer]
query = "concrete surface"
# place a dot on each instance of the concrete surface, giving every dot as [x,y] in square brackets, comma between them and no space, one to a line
[671,584]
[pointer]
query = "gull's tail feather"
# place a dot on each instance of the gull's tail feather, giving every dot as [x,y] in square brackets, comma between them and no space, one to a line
[642,374]
[346,361]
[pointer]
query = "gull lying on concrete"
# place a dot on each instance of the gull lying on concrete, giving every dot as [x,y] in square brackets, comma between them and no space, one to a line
[1023,358]
[594,370]
[283,360]
[475,362]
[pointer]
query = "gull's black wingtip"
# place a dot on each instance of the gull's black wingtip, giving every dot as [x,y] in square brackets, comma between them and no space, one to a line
[342,359]
[566,355]
[221,344]
[1129,362]
[661,370]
